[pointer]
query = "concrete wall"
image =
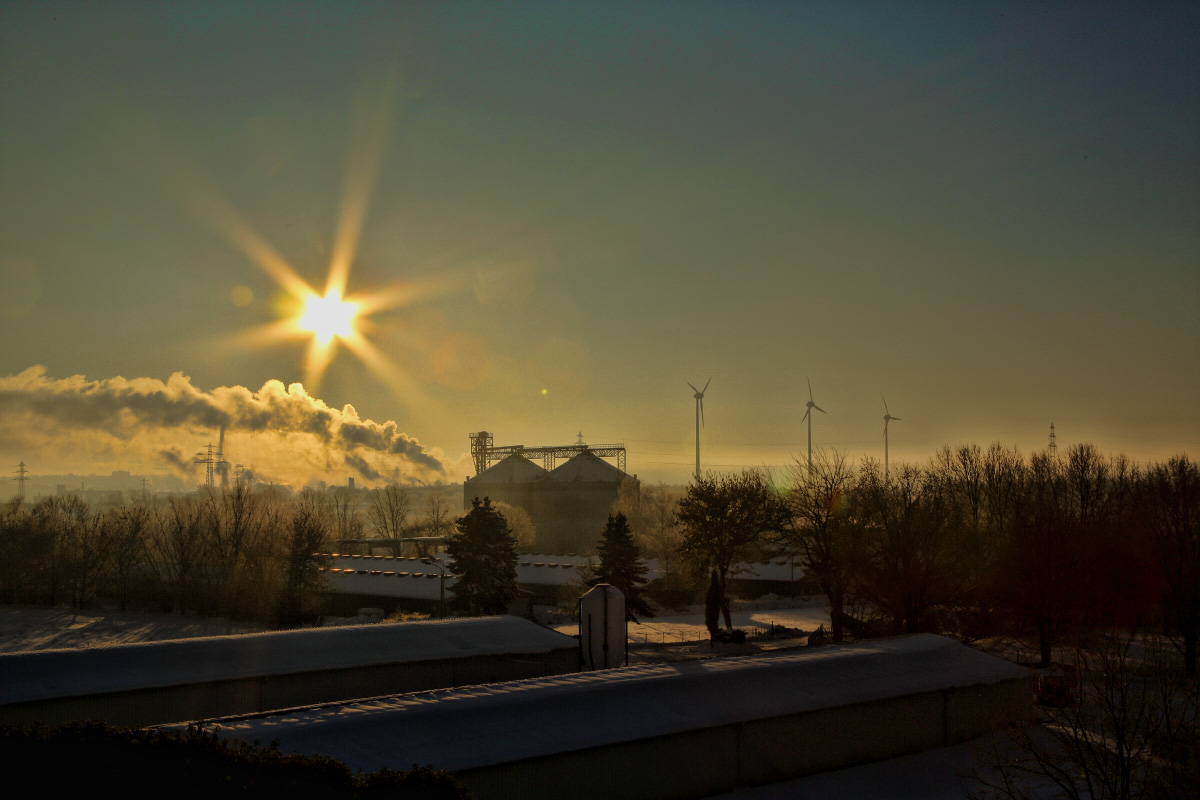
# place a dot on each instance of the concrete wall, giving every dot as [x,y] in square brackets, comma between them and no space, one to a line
[711,761]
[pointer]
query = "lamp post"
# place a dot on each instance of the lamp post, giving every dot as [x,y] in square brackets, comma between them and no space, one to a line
[441,585]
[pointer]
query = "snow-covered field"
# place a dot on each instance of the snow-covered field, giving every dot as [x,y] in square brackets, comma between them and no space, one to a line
[689,627]
[37,628]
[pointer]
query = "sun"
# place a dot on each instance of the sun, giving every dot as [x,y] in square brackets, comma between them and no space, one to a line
[335,318]
[327,317]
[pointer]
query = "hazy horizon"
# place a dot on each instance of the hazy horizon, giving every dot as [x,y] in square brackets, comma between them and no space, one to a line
[556,217]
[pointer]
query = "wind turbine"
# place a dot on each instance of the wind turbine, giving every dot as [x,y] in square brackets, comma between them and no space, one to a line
[809,406]
[887,417]
[699,395]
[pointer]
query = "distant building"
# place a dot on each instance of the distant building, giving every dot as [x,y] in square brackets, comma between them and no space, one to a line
[569,505]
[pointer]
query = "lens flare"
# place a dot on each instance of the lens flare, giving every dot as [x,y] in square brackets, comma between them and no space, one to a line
[327,317]
[338,316]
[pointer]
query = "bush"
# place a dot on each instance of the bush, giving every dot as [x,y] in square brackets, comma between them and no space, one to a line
[674,592]
[197,762]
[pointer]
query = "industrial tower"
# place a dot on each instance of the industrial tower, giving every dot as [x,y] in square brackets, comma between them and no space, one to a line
[211,457]
[22,475]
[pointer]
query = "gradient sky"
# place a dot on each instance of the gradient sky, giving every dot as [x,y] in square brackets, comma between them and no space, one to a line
[989,213]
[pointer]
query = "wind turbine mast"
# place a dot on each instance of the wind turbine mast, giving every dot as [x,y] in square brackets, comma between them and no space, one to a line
[887,417]
[699,397]
[809,406]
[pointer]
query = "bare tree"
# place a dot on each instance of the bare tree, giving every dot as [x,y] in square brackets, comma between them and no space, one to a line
[85,538]
[239,528]
[721,517]
[344,517]
[1127,729]
[520,526]
[179,553]
[913,566]
[389,510]
[651,513]
[439,520]
[1171,508]
[131,532]
[301,565]
[823,530]
[984,488]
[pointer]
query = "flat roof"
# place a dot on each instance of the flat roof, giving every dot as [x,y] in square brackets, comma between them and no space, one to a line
[47,674]
[480,725]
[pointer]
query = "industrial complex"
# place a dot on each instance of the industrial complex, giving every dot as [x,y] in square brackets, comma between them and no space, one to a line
[568,503]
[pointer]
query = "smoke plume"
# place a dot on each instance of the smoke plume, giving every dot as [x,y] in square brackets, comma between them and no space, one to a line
[151,417]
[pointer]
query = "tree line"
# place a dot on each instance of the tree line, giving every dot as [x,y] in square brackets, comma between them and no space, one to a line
[236,552]
[977,543]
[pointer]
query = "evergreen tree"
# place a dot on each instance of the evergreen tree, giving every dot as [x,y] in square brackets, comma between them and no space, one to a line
[483,557]
[621,566]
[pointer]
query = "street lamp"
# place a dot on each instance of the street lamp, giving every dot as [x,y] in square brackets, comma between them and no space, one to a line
[441,585]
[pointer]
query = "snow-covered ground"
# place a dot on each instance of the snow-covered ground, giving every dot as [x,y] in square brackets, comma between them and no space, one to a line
[689,627]
[946,773]
[25,628]
[37,628]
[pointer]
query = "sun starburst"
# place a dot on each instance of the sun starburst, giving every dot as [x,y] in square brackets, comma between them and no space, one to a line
[327,317]
[333,316]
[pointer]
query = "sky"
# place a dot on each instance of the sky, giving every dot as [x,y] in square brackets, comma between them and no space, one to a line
[558,215]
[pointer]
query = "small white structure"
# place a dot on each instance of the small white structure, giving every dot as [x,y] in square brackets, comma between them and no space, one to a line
[602,627]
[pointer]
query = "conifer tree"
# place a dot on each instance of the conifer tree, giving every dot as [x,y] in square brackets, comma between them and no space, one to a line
[621,566]
[483,557]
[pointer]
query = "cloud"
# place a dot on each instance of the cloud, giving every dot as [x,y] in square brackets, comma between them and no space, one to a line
[176,460]
[364,469]
[130,409]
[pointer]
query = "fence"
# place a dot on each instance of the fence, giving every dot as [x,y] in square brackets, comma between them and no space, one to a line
[696,635]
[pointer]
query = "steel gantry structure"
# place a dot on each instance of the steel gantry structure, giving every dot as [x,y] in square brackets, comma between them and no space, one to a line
[485,453]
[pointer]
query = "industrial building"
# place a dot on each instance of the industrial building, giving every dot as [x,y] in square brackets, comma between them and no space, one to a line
[685,729]
[568,504]
[150,683]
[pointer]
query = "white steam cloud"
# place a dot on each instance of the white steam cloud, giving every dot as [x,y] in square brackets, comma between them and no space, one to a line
[148,417]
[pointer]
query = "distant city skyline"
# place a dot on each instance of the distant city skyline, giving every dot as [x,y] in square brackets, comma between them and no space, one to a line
[553,218]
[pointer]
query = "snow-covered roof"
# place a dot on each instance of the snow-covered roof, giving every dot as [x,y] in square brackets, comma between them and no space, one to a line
[476,726]
[47,674]
[547,573]
[513,469]
[559,558]
[780,569]
[588,467]
[419,584]
[387,576]
[550,570]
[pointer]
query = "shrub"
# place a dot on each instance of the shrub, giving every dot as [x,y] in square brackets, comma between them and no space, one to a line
[198,762]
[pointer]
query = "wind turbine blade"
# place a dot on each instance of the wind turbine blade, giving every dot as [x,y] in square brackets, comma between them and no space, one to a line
[885,408]
[810,390]
[807,411]
[896,418]
[818,408]
[694,389]
[706,383]
[701,408]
